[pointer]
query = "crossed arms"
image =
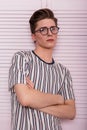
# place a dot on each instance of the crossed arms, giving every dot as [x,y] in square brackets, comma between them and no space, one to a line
[45,102]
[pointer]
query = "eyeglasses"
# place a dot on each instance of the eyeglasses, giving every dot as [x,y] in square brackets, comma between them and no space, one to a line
[45,30]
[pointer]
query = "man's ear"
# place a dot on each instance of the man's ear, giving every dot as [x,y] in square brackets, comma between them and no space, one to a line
[33,37]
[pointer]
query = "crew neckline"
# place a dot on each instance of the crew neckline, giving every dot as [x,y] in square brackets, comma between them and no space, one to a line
[43,60]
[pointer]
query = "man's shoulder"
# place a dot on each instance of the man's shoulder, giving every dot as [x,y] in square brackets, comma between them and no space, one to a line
[23,53]
[62,67]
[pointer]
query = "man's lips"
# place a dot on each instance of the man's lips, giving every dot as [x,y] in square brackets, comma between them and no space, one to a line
[50,39]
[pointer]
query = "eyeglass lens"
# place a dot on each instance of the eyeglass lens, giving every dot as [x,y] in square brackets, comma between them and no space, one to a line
[44,30]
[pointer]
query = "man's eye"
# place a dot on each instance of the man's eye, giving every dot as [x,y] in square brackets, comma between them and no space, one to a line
[52,28]
[42,29]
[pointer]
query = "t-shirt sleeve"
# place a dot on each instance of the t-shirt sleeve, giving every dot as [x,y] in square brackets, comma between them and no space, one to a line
[17,71]
[66,89]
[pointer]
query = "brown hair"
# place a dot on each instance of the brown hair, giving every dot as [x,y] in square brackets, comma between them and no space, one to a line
[40,15]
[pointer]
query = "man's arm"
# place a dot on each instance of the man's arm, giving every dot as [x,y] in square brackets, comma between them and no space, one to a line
[48,103]
[67,110]
[28,96]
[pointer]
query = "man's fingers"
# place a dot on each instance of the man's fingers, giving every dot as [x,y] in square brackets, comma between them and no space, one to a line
[29,83]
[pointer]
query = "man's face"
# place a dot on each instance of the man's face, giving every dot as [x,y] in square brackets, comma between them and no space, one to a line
[45,41]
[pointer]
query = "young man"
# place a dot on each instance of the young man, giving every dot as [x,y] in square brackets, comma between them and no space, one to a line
[41,89]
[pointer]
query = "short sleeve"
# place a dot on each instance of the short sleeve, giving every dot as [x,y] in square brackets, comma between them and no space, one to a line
[67,86]
[17,71]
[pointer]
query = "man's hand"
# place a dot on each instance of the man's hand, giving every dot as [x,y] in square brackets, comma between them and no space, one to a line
[29,83]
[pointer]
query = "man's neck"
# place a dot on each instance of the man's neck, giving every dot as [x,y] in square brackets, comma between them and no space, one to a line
[44,54]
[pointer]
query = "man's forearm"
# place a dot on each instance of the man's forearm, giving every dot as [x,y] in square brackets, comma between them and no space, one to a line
[66,110]
[39,99]
[36,99]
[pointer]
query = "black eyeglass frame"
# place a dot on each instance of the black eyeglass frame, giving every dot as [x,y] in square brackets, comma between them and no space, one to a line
[41,29]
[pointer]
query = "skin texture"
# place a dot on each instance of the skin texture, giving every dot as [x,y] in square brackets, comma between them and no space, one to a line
[45,102]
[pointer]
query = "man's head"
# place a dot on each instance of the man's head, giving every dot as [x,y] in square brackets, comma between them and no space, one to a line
[40,15]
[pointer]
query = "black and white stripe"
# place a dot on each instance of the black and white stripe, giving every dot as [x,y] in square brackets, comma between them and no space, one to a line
[47,77]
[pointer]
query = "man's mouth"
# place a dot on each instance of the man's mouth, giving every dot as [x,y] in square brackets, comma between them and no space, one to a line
[50,40]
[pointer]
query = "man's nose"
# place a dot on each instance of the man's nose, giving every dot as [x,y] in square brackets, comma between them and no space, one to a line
[49,31]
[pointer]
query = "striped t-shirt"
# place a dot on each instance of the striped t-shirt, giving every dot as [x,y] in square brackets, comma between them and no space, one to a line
[51,78]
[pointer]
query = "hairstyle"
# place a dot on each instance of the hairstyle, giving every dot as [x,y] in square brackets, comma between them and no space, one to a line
[40,15]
